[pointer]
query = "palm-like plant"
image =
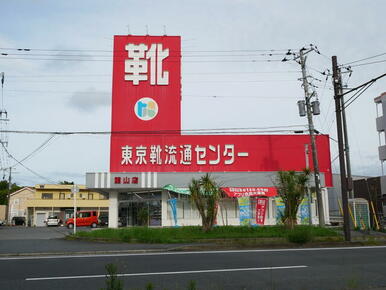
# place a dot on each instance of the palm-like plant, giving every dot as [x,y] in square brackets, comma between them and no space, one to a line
[205,193]
[292,187]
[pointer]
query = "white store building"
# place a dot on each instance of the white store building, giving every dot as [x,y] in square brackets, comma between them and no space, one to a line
[127,199]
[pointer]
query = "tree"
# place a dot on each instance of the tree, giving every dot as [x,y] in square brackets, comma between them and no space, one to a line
[65,182]
[4,190]
[143,216]
[292,187]
[205,193]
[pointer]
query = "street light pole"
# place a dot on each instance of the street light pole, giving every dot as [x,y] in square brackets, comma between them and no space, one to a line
[7,211]
[313,141]
[75,190]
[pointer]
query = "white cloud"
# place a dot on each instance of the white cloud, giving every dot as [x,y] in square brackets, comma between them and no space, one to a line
[89,100]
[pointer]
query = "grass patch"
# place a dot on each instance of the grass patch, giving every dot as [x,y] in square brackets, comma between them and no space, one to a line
[300,235]
[195,234]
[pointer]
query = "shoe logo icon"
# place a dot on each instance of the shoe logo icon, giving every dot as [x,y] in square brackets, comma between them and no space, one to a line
[146,109]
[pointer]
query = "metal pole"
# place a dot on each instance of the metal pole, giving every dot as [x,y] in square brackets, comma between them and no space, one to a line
[313,141]
[74,192]
[308,188]
[343,180]
[8,195]
[379,136]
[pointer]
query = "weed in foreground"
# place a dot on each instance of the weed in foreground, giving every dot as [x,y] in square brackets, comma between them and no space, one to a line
[112,281]
[192,285]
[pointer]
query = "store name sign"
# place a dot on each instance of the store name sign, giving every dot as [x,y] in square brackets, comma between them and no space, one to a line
[184,154]
[125,180]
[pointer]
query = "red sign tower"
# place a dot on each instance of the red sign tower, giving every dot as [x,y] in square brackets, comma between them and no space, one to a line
[146,121]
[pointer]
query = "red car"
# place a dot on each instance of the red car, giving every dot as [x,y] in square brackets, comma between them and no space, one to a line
[84,219]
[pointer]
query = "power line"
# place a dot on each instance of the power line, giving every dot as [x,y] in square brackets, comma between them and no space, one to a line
[110,51]
[365,84]
[356,93]
[192,73]
[170,56]
[25,167]
[141,133]
[348,102]
[183,96]
[189,81]
[238,96]
[163,132]
[367,63]
[359,60]
[45,143]
[116,61]
[239,81]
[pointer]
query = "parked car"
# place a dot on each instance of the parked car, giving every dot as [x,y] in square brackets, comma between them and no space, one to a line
[84,219]
[53,220]
[103,219]
[122,221]
[1,223]
[18,221]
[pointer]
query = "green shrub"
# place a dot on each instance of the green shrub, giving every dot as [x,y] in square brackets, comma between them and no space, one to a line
[300,235]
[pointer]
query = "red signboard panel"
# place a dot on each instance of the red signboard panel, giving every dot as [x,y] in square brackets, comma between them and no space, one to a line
[212,153]
[146,83]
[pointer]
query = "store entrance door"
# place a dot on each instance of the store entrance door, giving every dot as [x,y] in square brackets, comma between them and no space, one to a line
[140,210]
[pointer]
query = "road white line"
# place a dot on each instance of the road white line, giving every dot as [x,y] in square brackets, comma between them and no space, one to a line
[167,273]
[186,253]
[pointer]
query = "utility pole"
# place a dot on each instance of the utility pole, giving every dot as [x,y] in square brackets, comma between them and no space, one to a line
[342,165]
[346,144]
[4,143]
[306,151]
[313,141]
[350,189]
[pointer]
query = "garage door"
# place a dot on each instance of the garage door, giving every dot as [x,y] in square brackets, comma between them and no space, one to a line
[40,217]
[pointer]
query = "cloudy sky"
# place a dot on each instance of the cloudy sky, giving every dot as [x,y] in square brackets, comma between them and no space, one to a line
[63,83]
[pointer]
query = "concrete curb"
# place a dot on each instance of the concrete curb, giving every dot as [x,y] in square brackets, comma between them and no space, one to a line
[193,247]
[81,253]
[99,252]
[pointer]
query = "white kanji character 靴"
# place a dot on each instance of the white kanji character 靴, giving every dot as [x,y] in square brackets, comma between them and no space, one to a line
[136,65]
[155,154]
[162,76]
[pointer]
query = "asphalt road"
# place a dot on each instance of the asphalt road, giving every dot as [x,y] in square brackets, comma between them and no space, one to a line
[334,268]
[35,233]
[25,240]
